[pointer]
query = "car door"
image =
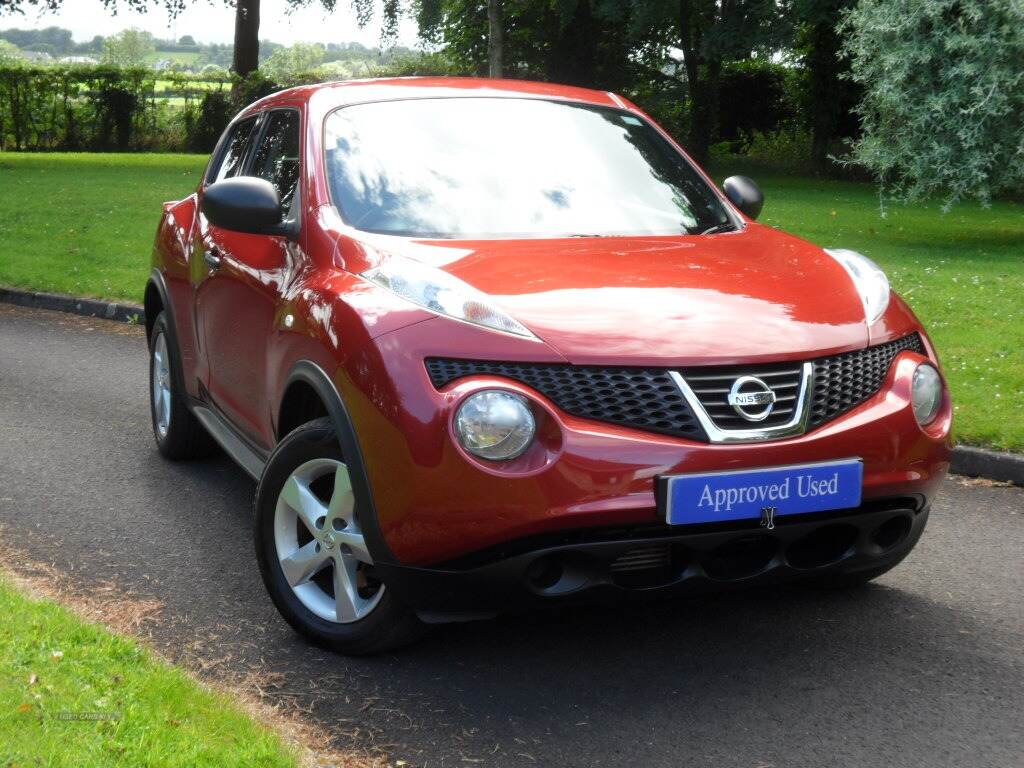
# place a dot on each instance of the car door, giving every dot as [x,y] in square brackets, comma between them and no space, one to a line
[227,161]
[244,277]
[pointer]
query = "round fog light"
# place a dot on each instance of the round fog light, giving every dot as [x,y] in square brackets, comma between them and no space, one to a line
[495,425]
[926,393]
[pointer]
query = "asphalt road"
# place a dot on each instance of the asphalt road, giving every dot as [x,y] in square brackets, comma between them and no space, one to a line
[924,668]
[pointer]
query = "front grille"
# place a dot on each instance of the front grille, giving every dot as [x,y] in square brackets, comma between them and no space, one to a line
[642,398]
[648,398]
[712,385]
[842,382]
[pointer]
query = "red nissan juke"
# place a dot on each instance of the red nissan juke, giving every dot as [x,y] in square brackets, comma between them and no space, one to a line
[487,344]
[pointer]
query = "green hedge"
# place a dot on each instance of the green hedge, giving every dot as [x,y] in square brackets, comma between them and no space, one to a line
[102,108]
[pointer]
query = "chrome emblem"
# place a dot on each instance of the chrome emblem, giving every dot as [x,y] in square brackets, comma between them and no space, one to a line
[768,518]
[751,398]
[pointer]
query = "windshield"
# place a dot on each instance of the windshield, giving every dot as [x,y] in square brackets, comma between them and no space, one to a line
[502,168]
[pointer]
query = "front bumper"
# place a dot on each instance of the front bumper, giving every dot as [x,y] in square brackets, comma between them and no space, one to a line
[616,564]
[437,504]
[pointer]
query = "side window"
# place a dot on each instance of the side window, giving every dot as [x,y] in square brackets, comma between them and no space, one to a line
[277,157]
[234,152]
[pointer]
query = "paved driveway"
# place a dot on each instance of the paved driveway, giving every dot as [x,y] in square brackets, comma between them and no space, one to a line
[925,668]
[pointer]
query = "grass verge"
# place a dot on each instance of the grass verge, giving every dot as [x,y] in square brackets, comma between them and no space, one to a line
[74,694]
[83,224]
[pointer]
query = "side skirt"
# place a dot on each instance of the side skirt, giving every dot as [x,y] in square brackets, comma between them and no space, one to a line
[249,458]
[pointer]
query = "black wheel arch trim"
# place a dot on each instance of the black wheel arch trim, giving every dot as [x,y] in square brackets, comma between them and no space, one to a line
[156,279]
[312,374]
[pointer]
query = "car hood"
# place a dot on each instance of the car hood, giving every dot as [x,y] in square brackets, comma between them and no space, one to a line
[757,294]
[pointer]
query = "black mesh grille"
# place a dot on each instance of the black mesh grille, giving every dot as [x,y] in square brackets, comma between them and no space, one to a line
[712,385]
[843,382]
[643,398]
[648,399]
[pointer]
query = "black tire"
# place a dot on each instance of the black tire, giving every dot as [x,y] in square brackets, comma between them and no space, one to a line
[388,625]
[184,437]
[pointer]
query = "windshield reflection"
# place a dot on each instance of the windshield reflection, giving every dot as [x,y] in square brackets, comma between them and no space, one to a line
[504,167]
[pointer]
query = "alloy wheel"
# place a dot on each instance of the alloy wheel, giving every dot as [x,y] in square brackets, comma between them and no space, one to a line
[320,545]
[160,378]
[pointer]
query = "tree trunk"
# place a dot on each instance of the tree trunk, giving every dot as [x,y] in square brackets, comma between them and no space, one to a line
[697,89]
[572,58]
[495,38]
[704,111]
[247,37]
[825,90]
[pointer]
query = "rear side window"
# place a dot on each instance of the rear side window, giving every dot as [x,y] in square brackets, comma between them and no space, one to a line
[230,162]
[277,157]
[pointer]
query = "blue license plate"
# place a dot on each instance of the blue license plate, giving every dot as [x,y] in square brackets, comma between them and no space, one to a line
[713,497]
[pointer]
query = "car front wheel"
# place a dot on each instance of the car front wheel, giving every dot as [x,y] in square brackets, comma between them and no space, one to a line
[312,552]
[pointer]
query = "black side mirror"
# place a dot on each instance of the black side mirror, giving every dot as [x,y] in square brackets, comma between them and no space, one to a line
[744,194]
[244,204]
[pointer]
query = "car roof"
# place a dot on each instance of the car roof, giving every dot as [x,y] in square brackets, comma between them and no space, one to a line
[329,96]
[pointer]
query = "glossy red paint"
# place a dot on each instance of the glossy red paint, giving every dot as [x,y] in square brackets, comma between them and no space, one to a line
[752,296]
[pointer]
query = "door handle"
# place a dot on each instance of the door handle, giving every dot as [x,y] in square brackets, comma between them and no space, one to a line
[212,258]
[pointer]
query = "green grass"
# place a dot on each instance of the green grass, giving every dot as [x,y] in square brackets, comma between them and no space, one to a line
[84,224]
[73,694]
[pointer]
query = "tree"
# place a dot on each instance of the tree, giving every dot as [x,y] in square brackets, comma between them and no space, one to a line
[285,64]
[829,94]
[57,38]
[943,108]
[709,33]
[10,54]
[495,38]
[187,41]
[565,41]
[247,19]
[128,48]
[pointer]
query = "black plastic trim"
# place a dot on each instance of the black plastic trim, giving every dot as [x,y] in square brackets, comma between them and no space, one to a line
[445,594]
[156,278]
[312,374]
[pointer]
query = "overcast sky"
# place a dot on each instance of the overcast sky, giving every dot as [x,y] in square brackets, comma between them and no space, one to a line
[212,21]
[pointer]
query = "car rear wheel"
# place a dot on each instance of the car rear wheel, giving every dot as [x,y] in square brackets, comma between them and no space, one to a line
[178,433]
[312,552]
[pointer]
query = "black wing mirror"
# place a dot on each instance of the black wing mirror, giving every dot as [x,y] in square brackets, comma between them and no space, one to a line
[744,194]
[245,204]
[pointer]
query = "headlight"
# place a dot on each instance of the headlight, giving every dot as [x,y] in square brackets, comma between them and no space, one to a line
[495,425]
[871,282]
[926,393]
[439,292]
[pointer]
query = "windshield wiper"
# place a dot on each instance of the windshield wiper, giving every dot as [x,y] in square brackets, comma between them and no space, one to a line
[725,226]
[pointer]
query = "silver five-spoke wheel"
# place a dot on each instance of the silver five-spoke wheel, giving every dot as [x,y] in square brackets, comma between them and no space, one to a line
[161,382]
[320,545]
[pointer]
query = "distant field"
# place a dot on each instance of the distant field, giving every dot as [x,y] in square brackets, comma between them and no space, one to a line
[197,85]
[962,272]
[180,57]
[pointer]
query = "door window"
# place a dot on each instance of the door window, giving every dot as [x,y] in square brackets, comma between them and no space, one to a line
[231,159]
[277,157]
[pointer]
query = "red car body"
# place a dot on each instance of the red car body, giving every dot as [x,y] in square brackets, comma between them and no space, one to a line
[252,334]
